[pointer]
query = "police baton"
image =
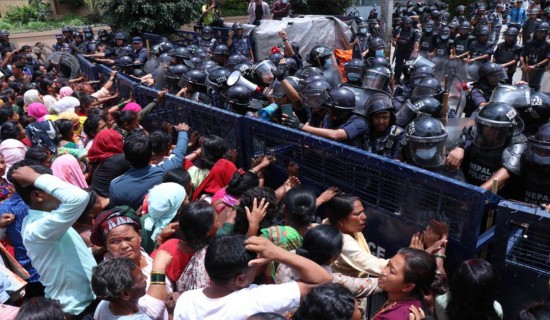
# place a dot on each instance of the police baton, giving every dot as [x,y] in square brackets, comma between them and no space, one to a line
[490,218]
[445,101]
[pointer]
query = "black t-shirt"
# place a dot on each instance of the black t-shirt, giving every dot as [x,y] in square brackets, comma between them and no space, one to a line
[104,172]
[259,12]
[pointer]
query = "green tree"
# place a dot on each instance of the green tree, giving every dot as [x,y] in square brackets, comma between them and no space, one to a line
[322,7]
[157,16]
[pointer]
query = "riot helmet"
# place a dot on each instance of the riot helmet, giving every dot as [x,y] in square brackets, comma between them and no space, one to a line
[492,73]
[377,104]
[341,102]
[120,36]
[464,28]
[237,26]
[426,137]
[264,70]
[538,147]
[316,93]
[195,77]
[429,86]
[102,34]
[541,30]
[354,70]
[362,28]
[306,72]
[445,33]
[377,61]
[88,32]
[192,48]
[419,73]
[318,56]
[276,57]
[238,95]
[208,64]
[4,33]
[234,60]
[206,32]
[496,123]
[218,78]
[423,106]
[305,82]
[511,35]
[429,27]
[246,69]
[291,66]
[276,89]
[376,78]
[124,61]
[220,53]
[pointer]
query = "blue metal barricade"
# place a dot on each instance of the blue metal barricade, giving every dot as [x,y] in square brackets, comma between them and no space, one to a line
[152,38]
[521,255]
[183,38]
[124,85]
[87,67]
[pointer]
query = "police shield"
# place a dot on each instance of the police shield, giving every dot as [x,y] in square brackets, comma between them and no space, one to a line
[362,96]
[457,94]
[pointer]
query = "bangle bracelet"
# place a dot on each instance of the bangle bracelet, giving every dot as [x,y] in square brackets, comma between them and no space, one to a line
[441,256]
[159,283]
[158,277]
[252,170]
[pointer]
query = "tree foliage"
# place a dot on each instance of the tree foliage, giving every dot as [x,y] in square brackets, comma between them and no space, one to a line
[322,7]
[157,16]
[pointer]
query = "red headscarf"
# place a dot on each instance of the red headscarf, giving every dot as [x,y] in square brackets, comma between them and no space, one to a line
[219,177]
[106,144]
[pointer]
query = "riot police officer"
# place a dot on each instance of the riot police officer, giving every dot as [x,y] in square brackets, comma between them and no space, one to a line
[206,39]
[534,56]
[359,42]
[238,42]
[5,44]
[495,22]
[322,57]
[546,14]
[441,51]
[426,146]
[385,136]
[492,149]
[215,84]
[460,16]
[479,19]
[238,101]
[414,108]
[460,49]
[508,52]
[341,123]
[192,82]
[530,25]
[407,40]
[172,78]
[428,39]
[535,169]
[490,76]
[481,49]
[220,53]
[354,71]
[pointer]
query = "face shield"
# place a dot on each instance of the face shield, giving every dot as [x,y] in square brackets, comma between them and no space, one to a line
[407,113]
[428,152]
[490,134]
[515,96]
[509,38]
[538,152]
[422,91]
[276,90]
[493,79]
[265,71]
[354,74]
[315,98]
[375,79]
[464,31]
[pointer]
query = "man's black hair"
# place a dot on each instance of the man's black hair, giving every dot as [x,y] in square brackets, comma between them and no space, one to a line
[138,149]
[226,258]
[25,192]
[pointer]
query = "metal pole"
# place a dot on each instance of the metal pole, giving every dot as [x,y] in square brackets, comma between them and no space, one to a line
[386,11]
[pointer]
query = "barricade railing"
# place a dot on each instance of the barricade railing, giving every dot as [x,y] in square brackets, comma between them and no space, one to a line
[124,85]
[182,37]
[400,199]
[152,38]
[521,255]
[87,67]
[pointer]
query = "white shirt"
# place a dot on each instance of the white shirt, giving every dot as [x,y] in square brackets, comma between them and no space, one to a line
[58,253]
[102,312]
[240,304]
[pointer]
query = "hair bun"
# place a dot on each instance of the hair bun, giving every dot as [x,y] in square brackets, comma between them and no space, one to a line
[302,252]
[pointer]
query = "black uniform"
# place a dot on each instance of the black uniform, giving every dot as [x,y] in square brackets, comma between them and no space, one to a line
[536,51]
[387,144]
[361,46]
[478,49]
[535,183]
[528,29]
[428,41]
[405,45]
[505,53]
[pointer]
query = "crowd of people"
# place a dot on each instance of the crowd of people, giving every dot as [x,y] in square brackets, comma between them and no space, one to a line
[106,213]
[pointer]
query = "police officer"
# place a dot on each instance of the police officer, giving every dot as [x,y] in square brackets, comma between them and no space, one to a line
[479,19]
[534,56]
[139,53]
[59,44]
[460,16]
[460,49]
[441,51]
[385,136]
[192,82]
[481,49]
[426,146]
[220,53]
[173,76]
[341,123]
[89,41]
[490,75]
[5,44]
[377,77]
[322,57]
[546,14]
[492,149]
[530,25]
[238,43]
[68,35]
[535,170]
[507,53]
[215,84]
[359,42]
[206,39]
[453,28]
[354,71]
[238,101]
[428,39]
[407,40]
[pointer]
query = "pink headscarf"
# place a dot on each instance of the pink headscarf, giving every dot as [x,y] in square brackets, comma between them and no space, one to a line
[65,92]
[38,111]
[132,106]
[13,151]
[66,168]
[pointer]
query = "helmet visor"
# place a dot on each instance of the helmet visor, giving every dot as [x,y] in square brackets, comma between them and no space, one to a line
[538,152]
[265,70]
[374,79]
[422,91]
[406,114]
[428,152]
[276,90]
[512,95]
[315,98]
[490,136]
